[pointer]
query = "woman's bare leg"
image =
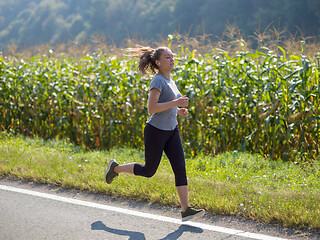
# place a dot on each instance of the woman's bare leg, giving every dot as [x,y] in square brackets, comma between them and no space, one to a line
[126,168]
[183,196]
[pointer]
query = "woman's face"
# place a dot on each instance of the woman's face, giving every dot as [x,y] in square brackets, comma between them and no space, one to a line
[166,61]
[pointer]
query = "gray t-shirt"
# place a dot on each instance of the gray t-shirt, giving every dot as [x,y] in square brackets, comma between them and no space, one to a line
[165,120]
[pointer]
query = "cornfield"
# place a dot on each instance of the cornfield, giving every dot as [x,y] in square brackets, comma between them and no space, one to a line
[262,101]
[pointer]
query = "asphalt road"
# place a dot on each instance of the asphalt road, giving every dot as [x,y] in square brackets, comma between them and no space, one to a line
[34,211]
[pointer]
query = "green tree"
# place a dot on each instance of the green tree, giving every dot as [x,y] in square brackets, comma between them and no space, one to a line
[38,21]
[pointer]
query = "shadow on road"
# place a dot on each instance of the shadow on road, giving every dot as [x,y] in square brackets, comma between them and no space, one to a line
[183,228]
[99,225]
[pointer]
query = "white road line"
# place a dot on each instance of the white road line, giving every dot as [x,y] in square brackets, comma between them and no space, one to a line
[141,214]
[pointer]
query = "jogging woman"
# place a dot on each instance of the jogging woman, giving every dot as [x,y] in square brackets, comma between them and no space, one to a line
[161,133]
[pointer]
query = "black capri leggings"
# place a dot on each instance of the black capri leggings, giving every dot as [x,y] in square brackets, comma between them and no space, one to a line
[156,141]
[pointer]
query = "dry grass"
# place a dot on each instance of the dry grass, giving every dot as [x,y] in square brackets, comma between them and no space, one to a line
[231,41]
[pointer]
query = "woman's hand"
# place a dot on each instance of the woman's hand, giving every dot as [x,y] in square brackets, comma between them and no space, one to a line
[183,112]
[182,101]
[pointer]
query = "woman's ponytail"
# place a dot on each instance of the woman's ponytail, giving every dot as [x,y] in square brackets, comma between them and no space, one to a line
[148,57]
[147,61]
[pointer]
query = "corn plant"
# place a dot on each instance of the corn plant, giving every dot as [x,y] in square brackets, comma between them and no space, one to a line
[260,102]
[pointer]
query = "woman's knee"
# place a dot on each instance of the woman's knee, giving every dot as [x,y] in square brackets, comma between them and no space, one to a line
[148,173]
[144,171]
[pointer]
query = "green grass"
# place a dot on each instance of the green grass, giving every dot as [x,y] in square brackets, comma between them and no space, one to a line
[233,183]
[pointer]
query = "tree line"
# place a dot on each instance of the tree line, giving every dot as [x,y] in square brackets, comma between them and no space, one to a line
[31,22]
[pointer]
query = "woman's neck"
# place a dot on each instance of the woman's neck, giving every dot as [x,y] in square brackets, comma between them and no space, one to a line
[165,74]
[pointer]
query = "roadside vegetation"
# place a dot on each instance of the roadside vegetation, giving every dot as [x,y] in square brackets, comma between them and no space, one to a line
[264,101]
[232,183]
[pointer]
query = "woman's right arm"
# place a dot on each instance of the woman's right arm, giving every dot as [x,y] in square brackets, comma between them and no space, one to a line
[155,107]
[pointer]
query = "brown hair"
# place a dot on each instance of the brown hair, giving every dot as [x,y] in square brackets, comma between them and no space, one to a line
[148,57]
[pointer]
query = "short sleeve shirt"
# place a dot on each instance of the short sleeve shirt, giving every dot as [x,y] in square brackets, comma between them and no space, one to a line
[165,120]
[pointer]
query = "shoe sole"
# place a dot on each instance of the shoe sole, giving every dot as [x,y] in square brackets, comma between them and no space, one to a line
[193,217]
[108,169]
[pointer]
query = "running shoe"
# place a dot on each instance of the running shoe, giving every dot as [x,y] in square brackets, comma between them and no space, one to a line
[192,214]
[110,174]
